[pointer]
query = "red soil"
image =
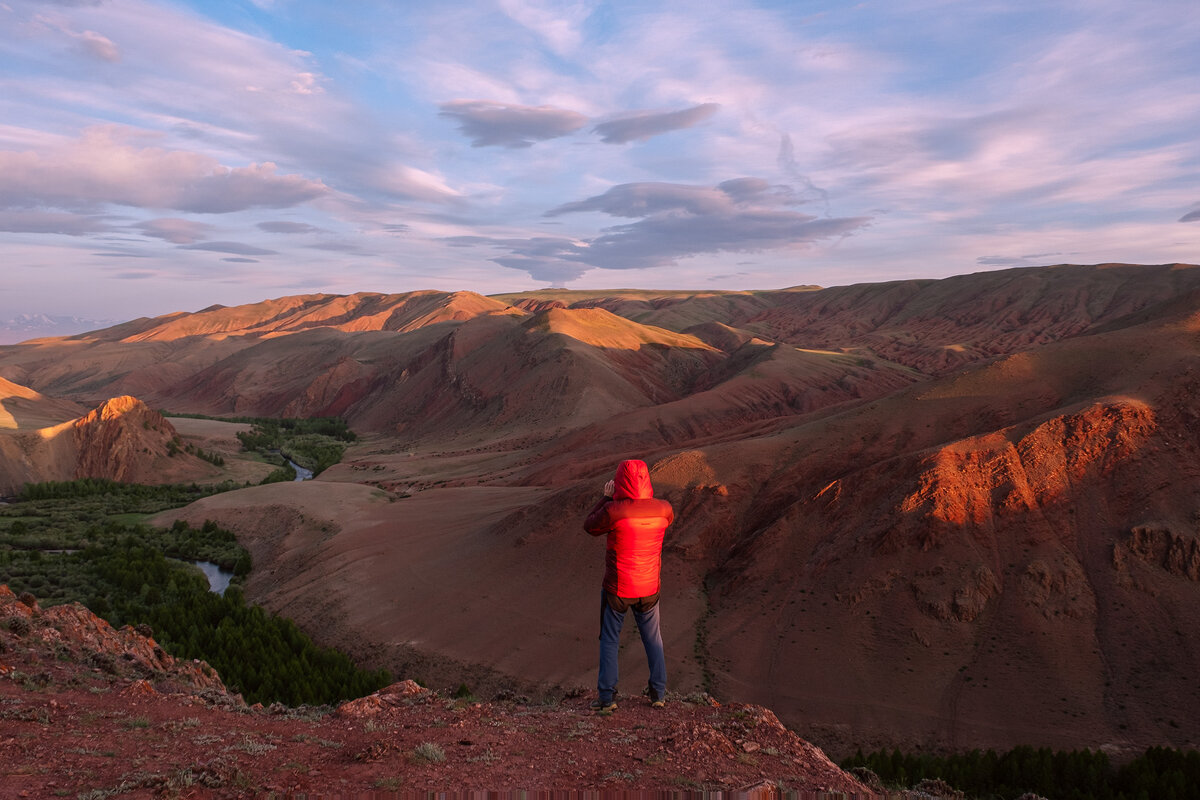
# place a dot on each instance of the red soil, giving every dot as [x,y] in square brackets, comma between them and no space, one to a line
[85,709]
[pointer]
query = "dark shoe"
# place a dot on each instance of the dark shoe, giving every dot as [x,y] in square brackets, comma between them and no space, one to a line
[603,707]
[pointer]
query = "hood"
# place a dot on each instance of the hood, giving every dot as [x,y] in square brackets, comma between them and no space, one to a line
[633,481]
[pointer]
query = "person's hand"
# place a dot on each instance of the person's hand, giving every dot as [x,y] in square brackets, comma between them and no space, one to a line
[609,488]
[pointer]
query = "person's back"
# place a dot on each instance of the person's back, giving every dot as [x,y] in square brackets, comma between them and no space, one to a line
[634,523]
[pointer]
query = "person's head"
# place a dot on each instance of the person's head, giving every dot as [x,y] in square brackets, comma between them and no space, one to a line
[632,481]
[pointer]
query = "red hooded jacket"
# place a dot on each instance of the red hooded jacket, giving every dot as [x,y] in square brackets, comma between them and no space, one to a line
[634,522]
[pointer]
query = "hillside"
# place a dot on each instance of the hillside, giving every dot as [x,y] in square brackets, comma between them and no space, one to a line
[21,408]
[948,514]
[103,711]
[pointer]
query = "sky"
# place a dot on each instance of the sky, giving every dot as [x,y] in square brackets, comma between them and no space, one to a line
[160,155]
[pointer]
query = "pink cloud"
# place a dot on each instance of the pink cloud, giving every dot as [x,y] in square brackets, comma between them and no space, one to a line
[98,46]
[108,164]
[174,230]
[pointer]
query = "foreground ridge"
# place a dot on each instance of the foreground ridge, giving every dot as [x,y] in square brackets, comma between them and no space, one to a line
[86,709]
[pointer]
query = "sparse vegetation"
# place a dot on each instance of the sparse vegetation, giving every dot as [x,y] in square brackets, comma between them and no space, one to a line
[429,753]
[314,444]
[175,446]
[389,784]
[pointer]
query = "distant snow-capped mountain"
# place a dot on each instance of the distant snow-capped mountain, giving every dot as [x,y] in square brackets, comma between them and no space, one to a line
[34,326]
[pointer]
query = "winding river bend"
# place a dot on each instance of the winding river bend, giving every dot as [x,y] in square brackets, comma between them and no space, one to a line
[218,579]
[302,474]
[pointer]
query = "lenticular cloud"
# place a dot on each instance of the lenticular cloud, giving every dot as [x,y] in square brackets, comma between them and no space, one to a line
[506,125]
[673,221]
[647,124]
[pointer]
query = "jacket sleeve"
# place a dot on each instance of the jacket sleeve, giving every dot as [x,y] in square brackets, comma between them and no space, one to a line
[597,522]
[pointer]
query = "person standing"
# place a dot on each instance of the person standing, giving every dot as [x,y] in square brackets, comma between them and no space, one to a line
[634,523]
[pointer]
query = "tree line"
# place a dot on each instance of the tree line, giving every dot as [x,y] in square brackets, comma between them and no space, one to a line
[314,444]
[1161,773]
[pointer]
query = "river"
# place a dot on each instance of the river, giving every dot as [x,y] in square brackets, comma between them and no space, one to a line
[218,579]
[302,474]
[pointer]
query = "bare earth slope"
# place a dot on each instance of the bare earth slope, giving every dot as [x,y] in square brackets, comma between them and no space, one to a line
[21,408]
[948,513]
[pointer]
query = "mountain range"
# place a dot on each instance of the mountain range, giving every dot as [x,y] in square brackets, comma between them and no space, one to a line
[939,513]
[29,326]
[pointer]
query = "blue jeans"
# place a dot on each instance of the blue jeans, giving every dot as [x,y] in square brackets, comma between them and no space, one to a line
[611,622]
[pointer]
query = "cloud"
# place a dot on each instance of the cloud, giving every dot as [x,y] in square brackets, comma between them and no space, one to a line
[174,230]
[674,221]
[121,254]
[415,184]
[241,260]
[556,24]
[109,164]
[488,123]
[98,46]
[288,227]
[661,240]
[647,124]
[91,43]
[645,199]
[786,160]
[237,248]
[1001,261]
[1191,216]
[545,258]
[51,222]
[337,247]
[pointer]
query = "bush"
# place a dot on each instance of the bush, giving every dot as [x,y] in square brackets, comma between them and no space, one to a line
[429,753]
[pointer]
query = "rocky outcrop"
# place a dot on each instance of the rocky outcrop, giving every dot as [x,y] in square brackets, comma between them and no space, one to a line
[973,481]
[1159,546]
[122,439]
[397,694]
[72,632]
[119,440]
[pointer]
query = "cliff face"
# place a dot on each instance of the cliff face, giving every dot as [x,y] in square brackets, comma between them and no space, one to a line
[99,710]
[121,439]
